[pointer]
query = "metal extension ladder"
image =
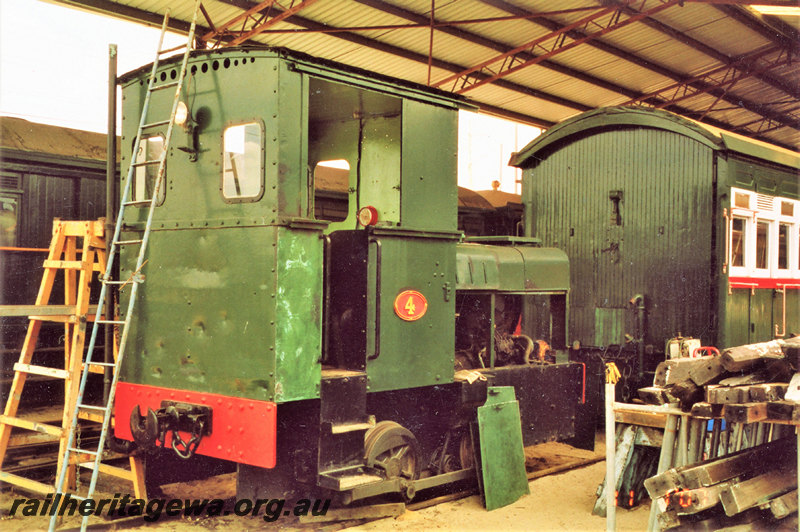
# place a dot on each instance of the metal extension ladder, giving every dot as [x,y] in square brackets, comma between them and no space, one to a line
[136,279]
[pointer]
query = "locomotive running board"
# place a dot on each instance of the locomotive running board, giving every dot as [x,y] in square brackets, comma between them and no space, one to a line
[398,485]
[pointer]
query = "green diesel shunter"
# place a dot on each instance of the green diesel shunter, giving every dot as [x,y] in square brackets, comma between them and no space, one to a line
[309,300]
[672,228]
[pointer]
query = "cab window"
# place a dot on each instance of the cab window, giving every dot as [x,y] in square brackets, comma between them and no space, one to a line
[243,162]
[150,149]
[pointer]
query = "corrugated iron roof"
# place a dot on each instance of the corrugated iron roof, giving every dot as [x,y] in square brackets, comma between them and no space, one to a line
[615,117]
[711,60]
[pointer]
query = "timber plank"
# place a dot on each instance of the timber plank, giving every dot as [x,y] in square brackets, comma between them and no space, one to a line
[689,502]
[678,370]
[768,391]
[642,419]
[708,371]
[745,413]
[784,505]
[705,410]
[727,394]
[653,395]
[710,472]
[744,357]
[740,496]
[782,410]
[661,484]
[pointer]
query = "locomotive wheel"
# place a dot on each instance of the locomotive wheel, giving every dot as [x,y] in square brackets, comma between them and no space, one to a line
[465,453]
[393,449]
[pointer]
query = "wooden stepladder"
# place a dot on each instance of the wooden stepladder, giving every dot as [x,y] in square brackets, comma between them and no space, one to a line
[78,249]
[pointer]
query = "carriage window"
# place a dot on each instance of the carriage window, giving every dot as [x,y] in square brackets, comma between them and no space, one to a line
[762,247]
[8,220]
[150,149]
[242,169]
[738,241]
[783,246]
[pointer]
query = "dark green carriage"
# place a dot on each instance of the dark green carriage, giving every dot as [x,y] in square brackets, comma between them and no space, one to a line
[644,203]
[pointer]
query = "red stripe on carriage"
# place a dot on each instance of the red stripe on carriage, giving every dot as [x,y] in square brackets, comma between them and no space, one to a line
[764,282]
[242,430]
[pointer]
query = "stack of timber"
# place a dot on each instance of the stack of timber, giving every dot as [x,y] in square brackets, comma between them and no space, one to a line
[754,487]
[752,394]
[745,384]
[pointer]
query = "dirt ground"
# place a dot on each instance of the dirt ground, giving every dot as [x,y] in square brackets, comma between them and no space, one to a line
[557,501]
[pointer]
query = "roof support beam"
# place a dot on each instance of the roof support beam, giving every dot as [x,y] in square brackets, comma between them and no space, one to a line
[261,16]
[724,77]
[754,107]
[766,77]
[423,59]
[117,10]
[603,21]
[757,24]
[497,46]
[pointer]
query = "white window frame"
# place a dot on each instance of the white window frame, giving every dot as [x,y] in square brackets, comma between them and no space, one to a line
[254,163]
[772,215]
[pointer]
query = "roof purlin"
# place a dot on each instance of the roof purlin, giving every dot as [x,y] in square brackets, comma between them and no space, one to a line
[753,107]
[701,47]
[511,62]
[500,47]
[423,59]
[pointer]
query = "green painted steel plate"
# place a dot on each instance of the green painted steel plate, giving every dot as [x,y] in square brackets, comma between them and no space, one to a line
[502,454]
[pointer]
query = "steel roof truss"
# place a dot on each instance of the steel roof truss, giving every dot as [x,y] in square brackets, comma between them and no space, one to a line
[255,20]
[724,77]
[603,21]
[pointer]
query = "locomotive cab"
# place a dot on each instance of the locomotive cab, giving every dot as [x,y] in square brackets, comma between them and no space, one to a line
[303,277]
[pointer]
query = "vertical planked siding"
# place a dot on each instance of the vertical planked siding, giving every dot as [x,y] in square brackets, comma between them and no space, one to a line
[663,247]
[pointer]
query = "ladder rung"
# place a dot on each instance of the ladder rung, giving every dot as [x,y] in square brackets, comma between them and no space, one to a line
[31,425]
[92,407]
[41,370]
[128,242]
[137,203]
[156,124]
[174,48]
[26,483]
[83,451]
[150,162]
[110,470]
[165,86]
[108,322]
[91,416]
[64,264]
[104,364]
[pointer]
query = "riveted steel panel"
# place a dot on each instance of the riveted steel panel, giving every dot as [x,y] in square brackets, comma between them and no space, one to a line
[430,195]
[205,316]
[408,354]
[298,303]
